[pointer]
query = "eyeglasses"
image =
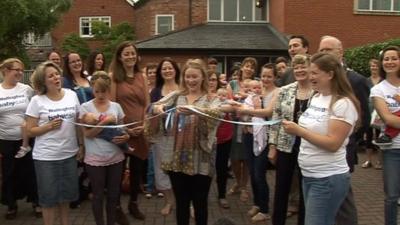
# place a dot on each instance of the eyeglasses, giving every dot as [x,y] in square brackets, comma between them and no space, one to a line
[18,70]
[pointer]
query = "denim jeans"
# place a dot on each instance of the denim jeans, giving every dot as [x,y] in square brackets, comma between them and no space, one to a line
[391,183]
[258,171]
[150,170]
[323,197]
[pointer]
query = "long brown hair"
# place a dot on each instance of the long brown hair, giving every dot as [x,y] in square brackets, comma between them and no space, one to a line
[116,66]
[340,85]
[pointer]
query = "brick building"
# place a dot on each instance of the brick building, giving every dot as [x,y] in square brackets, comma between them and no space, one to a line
[233,29]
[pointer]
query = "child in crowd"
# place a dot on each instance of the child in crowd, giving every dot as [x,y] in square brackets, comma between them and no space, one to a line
[254,101]
[106,133]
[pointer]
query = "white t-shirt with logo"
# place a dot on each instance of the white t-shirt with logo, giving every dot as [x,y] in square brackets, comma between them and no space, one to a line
[13,103]
[317,162]
[387,91]
[60,143]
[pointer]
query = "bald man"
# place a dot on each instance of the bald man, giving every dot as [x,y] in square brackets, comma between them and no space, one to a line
[347,214]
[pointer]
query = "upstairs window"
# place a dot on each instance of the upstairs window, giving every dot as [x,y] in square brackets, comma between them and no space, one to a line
[237,10]
[85,24]
[379,5]
[164,23]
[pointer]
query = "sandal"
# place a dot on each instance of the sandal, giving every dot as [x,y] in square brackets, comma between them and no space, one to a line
[223,203]
[22,151]
[167,209]
[378,165]
[38,211]
[259,217]
[244,195]
[11,214]
[234,190]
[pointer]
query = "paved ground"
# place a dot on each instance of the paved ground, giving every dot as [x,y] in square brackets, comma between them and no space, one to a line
[367,186]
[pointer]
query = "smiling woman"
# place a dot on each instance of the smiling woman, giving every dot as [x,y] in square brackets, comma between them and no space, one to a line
[14,99]
[56,142]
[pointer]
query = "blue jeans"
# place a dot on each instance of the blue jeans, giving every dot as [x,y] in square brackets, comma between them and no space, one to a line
[323,197]
[258,171]
[150,170]
[391,183]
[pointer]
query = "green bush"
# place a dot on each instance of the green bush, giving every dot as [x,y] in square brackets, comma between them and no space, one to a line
[357,58]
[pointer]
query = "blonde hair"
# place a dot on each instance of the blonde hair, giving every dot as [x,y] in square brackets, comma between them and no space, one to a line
[222,91]
[8,64]
[38,78]
[101,81]
[301,59]
[194,64]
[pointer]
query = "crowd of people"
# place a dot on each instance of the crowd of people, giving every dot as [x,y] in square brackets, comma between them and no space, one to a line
[71,134]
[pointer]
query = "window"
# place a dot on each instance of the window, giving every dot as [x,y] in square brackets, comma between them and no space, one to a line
[164,23]
[237,10]
[85,24]
[379,5]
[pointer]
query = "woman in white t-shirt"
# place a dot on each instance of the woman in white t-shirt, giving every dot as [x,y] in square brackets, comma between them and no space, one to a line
[50,117]
[18,177]
[325,128]
[385,97]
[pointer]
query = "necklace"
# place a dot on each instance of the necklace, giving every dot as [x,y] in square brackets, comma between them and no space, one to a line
[302,97]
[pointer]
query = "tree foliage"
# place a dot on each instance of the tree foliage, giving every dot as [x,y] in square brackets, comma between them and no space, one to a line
[18,18]
[74,43]
[111,37]
[358,58]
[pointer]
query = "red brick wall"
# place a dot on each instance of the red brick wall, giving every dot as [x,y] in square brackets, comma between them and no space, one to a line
[277,14]
[145,15]
[317,18]
[119,10]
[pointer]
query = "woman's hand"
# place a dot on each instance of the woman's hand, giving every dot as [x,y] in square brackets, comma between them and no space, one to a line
[292,128]
[120,139]
[158,109]
[55,124]
[184,110]
[136,131]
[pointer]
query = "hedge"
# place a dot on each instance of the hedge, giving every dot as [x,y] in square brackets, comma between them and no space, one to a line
[357,58]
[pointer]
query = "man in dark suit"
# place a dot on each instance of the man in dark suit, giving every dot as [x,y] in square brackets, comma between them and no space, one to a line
[347,214]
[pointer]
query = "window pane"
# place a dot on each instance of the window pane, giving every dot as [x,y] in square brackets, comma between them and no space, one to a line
[363,4]
[164,24]
[396,5]
[230,10]
[261,12]
[214,8]
[381,4]
[85,31]
[245,10]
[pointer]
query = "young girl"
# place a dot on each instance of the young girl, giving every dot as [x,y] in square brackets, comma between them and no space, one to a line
[103,159]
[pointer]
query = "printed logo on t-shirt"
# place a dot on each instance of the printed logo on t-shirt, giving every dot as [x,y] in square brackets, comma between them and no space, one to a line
[63,113]
[12,101]
[391,101]
[315,113]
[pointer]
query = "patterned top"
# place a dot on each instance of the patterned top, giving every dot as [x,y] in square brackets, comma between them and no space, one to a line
[192,138]
[284,109]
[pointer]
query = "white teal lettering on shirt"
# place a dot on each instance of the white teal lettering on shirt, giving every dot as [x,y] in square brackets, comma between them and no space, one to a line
[12,101]
[315,113]
[63,113]
[393,102]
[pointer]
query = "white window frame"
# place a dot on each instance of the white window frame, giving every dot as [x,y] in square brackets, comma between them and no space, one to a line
[253,2]
[91,19]
[172,16]
[371,10]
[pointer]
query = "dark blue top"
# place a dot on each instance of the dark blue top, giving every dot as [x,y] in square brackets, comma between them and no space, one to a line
[84,93]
